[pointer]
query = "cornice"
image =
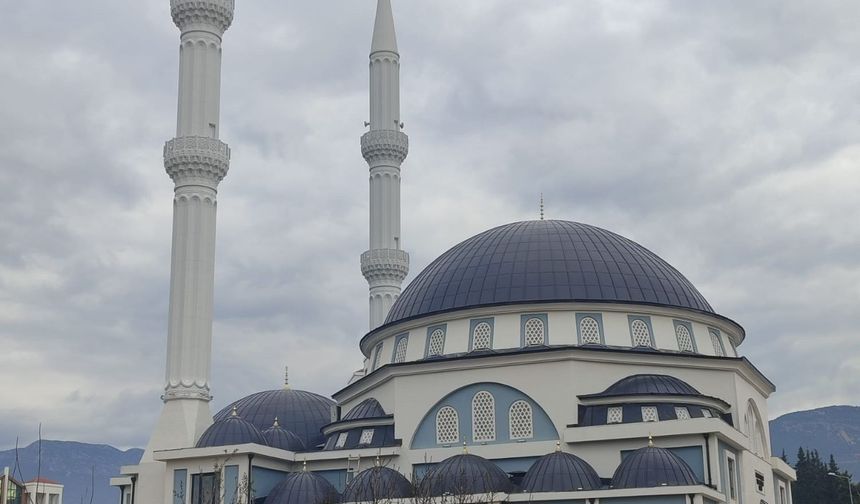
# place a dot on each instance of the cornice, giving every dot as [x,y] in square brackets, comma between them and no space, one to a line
[379,146]
[200,14]
[196,160]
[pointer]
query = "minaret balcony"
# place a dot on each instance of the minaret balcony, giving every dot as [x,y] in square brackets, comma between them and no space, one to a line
[385,265]
[200,14]
[381,146]
[200,158]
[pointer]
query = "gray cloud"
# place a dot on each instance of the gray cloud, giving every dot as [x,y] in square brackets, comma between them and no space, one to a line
[723,136]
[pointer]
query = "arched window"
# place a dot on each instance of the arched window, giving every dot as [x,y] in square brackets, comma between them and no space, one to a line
[483,417]
[400,350]
[377,352]
[482,337]
[753,426]
[718,345]
[685,340]
[447,426]
[437,343]
[534,332]
[589,331]
[521,420]
[641,333]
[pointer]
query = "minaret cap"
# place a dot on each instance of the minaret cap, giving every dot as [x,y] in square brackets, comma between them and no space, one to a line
[384,36]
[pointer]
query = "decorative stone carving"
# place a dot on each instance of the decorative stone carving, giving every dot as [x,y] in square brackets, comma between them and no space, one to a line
[183,391]
[198,158]
[217,14]
[385,264]
[385,145]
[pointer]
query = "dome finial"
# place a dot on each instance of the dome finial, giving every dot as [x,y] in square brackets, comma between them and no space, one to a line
[541,206]
[465,448]
[235,412]
[286,377]
[276,424]
[558,446]
[650,441]
[305,465]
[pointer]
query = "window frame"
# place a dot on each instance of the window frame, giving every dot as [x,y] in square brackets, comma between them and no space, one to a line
[531,421]
[364,432]
[524,319]
[717,337]
[430,331]
[456,418]
[620,410]
[400,338]
[685,410]
[598,317]
[689,327]
[649,409]
[341,440]
[647,321]
[491,420]
[377,351]
[473,324]
[731,466]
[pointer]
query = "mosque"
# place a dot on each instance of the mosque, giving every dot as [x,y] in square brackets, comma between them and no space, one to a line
[538,361]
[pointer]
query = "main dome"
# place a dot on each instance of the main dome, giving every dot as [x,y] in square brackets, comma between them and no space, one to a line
[545,261]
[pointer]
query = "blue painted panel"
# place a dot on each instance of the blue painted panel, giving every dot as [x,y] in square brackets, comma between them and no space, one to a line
[461,400]
[231,484]
[264,480]
[180,482]
[336,477]
[513,465]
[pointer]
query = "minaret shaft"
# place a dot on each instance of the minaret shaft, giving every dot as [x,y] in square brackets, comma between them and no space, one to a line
[385,265]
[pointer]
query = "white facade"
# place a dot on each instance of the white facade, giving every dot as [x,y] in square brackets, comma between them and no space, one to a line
[44,492]
[508,381]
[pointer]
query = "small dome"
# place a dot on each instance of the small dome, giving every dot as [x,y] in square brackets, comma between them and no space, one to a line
[653,467]
[545,261]
[465,474]
[560,472]
[278,437]
[368,408]
[232,430]
[303,488]
[302,413]
[377,484]
[649,384]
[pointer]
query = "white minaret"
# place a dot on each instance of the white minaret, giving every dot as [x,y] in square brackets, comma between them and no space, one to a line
[196,160]
[384,147]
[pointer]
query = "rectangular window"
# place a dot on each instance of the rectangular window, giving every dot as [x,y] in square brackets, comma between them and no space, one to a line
[782,499]
[731,476]
[204,489]
[615,414]
[649,414]
[231,484]
[341,440]
[180,480]
[707,413]
[682,413]
[366,437]
[759,482]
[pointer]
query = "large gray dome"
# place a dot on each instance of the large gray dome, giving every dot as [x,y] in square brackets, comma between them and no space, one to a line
[545,261]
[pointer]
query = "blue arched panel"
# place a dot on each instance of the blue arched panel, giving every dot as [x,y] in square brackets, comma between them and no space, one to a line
[461,400]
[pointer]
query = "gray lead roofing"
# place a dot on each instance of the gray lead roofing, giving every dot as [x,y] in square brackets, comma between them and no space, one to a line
[653,467]
[647,384]
[545,261]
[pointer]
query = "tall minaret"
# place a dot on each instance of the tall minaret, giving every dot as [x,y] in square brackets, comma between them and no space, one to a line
[196,160]
[384,147]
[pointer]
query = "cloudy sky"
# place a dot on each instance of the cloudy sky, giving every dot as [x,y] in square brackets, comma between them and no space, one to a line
[723,136]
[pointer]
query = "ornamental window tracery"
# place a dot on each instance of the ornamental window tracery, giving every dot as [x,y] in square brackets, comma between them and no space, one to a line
[483,417]
[482,336]
[521,420]
[447,426]
[366,437]
[377,352]
[400,350]
[641,334]
[589,331]
[615,414]
[535,332]
[436,345]
[718,345]
[649,414]
[682,413]
[341,440]
[685,339]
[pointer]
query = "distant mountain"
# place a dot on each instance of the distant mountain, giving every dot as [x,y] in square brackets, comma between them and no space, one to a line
[72,464]
[832,430]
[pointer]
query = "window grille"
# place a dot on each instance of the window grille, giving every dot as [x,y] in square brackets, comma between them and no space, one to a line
[649,414]
[534,332]
[615,414]
[366,437]
[682,413]
[718,346]
[400,350]
[641,334]
[341,440]
[482,337]
[483,417]
[376,356]
[437,343]
[707,413]
[685,340]
[447,426]
[589,331]
[521,420]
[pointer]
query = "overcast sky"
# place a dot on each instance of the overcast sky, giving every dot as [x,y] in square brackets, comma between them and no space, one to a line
[723,136]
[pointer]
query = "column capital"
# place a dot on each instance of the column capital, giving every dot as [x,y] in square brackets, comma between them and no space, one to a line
[195,160]
[202,14]
[380,146]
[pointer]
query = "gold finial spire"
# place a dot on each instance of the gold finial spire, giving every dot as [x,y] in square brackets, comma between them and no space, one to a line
[276,424]
[465,448]
[286,377]
[650,441]
[541,206]
[558,446]
[235,412]
[305,465]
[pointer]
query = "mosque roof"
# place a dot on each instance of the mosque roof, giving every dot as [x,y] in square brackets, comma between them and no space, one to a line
[647,384]
[278,437]
[377,484]
[465,474]
[300,412]
[653,467]
[368,408]
[232,430]
[303,488]
[560,472]
[545,261]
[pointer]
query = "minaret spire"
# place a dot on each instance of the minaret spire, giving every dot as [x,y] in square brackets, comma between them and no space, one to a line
[196,160]
[385,265]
